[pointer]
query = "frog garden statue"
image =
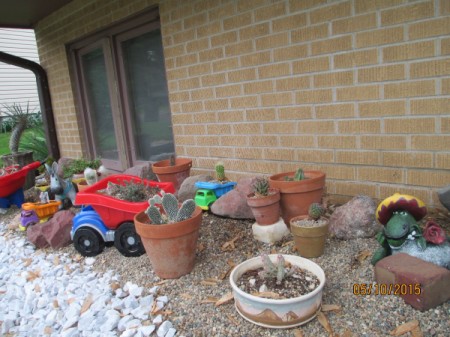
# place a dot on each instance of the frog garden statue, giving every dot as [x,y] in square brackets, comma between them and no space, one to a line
[399,214]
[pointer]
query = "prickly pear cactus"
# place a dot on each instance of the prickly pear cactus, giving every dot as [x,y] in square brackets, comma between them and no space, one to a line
[170,205]
[186,210]
[315,211]
[154,215]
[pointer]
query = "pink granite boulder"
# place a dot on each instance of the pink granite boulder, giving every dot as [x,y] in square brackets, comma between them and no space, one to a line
[234,203]
[355,219]
[187,189]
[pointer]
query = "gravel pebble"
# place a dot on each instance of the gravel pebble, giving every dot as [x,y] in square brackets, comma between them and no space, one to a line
[186,311]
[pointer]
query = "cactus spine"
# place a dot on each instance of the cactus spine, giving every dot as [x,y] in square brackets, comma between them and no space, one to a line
[315,211]
[261,187]
[171,212]
[220,171]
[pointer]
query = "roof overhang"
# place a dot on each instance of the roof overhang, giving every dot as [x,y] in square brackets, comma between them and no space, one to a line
[27,13]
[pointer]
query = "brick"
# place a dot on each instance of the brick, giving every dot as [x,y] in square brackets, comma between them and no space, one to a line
[216,104]
[258,87]
[444,7]
[442,161]
[379,37]
[195,21]
[229,90]
[278,128]
[309,33]
[229,63]
[355,59]
[330,12]
[335,111]
[194,129]
[190,83]
[254,31]
[277,99]
[242,75]
[184,118]
[208,29]
[255,59]
[210,54]
[223,39]
[292,83]
[230,116]
[183,36]
[432,106]
[445,125]
[429,178]
[362,6]
[184,140]
[199,69]
[237,21]
[296,113]
[244,102]
[315,156]
[179,96]
[197,151]
[381,74]
[174,51]
[409,51]
[290,53]
[382,109]
[244,5]
[352,188]
[214,79]
[434,68]
[414,12]
[409,89]
[360,93]
[260,115]
[185,60]
[249,153]
[433,143]
[445,87]
[218,129]
[358,157]
[234,140]
[379,174]
[445,46]
[295,5]
[406,271]
[384,142]
[314,96]
[429,28]
[247,128]
[176,74]
[192,106]
[204,5]
[179,13]
[222,12]
[337,142]
[289,22]
[264,141]
[333,79]
[359,126]
[311,65]
[297,141]
[354,24]
[408,159]
[316,127]
[279,154]
[409,125]
[270,12]
[239,48]
[206,141]
[272,41]
[274,70]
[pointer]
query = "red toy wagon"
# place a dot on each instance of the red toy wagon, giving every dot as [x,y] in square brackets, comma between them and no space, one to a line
[107,219]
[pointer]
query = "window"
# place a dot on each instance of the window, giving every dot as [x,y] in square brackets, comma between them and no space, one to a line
[122,97]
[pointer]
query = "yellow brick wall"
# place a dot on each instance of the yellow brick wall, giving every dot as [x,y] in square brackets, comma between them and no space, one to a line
[356,88]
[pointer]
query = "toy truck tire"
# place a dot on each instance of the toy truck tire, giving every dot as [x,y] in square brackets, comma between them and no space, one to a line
[127,241]
[88,241]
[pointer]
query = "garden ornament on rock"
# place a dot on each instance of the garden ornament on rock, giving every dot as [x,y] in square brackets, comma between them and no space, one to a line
[399,214]
[62,188]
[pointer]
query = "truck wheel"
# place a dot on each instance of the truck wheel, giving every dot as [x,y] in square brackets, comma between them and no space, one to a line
[88,242]
[127,241]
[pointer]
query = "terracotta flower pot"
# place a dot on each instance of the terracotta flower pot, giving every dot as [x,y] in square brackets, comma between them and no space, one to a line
[171,248]
[174,174]
[266,210]
[309,241]
[296,196]
[277,313]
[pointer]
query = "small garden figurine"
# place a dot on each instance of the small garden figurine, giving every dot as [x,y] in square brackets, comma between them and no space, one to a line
[399,214]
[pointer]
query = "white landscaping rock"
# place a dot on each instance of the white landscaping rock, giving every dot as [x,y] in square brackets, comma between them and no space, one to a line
[164,328]
[270,233]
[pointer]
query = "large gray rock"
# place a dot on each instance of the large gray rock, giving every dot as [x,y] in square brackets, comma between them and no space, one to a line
[355,219]
[444,196]
[234,203]
[187,189]
[54,233]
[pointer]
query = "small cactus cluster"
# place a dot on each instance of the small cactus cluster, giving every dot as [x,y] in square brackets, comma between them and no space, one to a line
[172,213]
[220,171]
[274,270]
[315,211]
[299,175]
[261,187]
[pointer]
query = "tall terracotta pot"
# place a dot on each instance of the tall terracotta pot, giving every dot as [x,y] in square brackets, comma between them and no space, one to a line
[174,174]
[266,210]
[296,196]
[171,248]
[309,241]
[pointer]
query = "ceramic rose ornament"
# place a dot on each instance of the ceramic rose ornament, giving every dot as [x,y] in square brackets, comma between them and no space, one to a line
[399,214]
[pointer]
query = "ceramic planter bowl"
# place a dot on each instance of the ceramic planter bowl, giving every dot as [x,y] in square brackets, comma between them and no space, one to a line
[171,248]
[278,313]
[296,196]
[309,241]
[266,210]
[175,174]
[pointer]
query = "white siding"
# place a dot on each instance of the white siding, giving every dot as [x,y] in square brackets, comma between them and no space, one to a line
[18,85]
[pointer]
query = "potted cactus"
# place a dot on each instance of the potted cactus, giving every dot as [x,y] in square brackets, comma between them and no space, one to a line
[298,190]
[277,291]
[310,231]
[169,233]
[174,170]
[264,202]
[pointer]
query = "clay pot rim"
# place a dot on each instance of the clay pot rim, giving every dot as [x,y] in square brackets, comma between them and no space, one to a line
[254,197]
[298,218]
[164,167]
[315,180]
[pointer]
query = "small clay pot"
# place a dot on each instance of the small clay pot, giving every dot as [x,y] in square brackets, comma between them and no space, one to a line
[175,174]
[309,241]
[266,210]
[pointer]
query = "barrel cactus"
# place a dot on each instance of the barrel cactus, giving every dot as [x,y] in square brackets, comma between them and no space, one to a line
[171,212]
[315,211]
[220,171]
[261,187]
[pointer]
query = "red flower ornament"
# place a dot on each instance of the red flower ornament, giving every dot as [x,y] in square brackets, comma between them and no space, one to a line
[433,233]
